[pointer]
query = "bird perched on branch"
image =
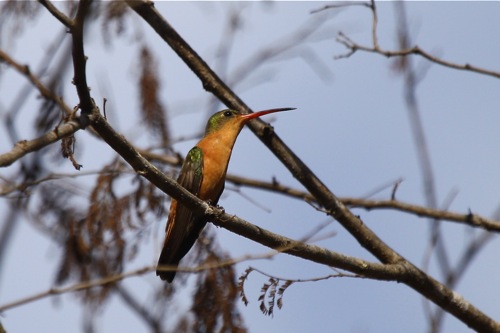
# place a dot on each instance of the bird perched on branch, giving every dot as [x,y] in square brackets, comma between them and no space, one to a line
[203,174]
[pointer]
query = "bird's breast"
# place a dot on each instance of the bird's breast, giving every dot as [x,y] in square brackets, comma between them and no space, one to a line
[216,157]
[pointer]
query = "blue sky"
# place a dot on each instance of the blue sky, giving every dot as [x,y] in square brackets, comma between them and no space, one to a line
[351,128]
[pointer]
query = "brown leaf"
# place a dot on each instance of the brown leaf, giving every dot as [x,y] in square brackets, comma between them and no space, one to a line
[215,301]
[153,112]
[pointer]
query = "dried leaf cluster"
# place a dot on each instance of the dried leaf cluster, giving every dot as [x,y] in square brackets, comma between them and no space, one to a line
[154,115]
[98,241]
[215,297]
[271,293]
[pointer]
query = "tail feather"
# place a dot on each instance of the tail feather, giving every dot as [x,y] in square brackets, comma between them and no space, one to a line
[166,261]
[177,245]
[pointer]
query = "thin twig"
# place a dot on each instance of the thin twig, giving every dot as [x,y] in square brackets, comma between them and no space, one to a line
[144,313]
[76,287]
[340,5]
[44,91]
[314,279]
[65,20]
[353,47]
[27,146]
[144,270]
[469,218]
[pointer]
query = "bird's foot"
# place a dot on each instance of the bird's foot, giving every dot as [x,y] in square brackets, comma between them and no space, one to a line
[220,208]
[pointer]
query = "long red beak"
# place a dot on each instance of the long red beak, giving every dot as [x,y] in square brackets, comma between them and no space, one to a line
[261,113]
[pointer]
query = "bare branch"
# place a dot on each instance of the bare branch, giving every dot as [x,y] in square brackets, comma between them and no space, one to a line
[211,82]
[44,91]
[168,185]
[359,264]
[393,267]
[53,176]
[470,252]
[353,47]
[80,60]
[144,313]
[340,5]
[76,287]
[61,131]
[27,146]
[402,271]
[419,281]
[410,75]
[66,21]
[314,279]
[470,219]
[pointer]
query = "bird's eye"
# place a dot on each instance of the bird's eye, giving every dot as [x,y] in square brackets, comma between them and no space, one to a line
[228,114]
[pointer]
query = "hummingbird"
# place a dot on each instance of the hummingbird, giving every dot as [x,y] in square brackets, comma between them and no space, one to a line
[203,173]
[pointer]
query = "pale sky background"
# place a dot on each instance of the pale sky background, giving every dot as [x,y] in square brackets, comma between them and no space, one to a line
[351,128]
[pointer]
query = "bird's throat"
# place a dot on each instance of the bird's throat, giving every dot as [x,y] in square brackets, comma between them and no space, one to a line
[216,148]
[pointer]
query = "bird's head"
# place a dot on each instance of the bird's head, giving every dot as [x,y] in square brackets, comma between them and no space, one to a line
[233,119]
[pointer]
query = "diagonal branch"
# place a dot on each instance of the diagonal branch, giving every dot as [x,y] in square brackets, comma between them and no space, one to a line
[65,20]
[61,131]
[149,319]
[211,82]
[44,91]
[27,146]
[393,267]
[418,280]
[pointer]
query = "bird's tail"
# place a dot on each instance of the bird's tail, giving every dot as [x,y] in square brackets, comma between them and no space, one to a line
[166,261]
[183,228]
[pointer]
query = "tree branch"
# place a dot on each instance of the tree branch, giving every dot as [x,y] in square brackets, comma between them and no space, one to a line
[227,221]
[44,91]
[75,287]
[470,219]
[353,47]
[299,170]
[414,50]
[419,281]
[66,21]
[27,146]
[393,267]
[402,271]
[144,313]
[87,104]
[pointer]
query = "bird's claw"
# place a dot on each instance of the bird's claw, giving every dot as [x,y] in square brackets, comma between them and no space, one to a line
[220,208]
[217,207]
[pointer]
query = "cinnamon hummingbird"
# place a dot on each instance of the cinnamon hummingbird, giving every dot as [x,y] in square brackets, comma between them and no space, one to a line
[203,173]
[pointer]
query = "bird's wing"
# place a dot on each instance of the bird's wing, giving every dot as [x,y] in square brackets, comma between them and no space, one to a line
[183,227]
